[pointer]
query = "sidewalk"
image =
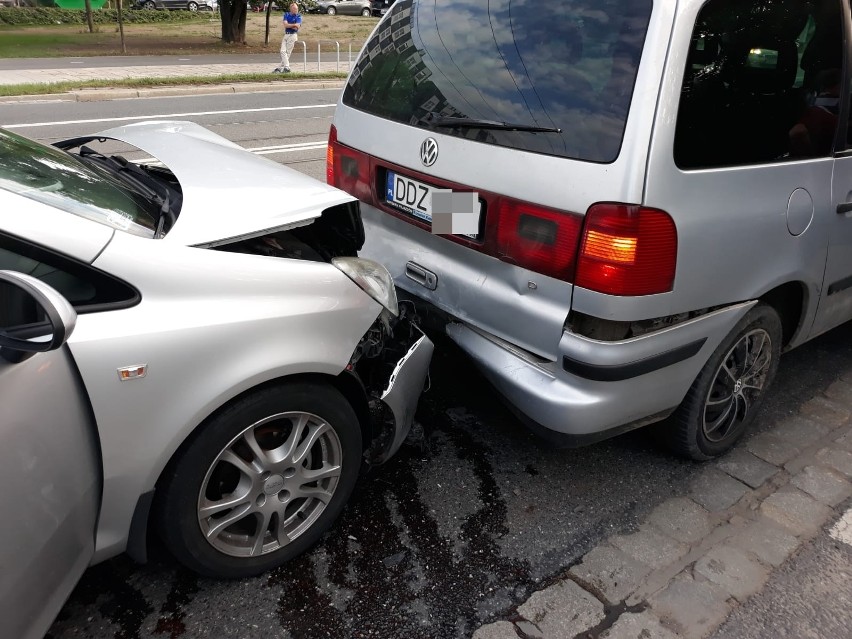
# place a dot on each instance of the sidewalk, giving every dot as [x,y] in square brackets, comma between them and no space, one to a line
[757,516]
[66,74]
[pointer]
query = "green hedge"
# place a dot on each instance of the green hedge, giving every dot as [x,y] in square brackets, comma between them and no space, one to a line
[44,15]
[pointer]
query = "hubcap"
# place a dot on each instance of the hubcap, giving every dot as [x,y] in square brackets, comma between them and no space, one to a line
[269,484]
[737,385]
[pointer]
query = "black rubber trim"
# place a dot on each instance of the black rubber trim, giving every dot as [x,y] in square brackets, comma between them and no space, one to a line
[619,372]
[840,285]
[137,540]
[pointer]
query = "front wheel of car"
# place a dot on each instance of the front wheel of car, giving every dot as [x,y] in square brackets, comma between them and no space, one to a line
[725,397]
[331,11]
[150,6]
[366,13]
[261,482]
[192,6]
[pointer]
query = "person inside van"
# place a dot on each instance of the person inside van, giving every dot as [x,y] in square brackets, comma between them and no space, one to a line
[813,134]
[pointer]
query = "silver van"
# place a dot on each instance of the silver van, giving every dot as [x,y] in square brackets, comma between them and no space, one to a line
[663,191]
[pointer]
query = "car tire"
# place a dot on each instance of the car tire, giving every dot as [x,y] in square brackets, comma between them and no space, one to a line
[366,13]
[150,6]
[285,457]
[192,6]
[725,397]
[331,11]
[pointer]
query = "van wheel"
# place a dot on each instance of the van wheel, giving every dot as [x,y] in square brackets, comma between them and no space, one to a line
[331,11]
[261,481]
[726,395]
[366,13]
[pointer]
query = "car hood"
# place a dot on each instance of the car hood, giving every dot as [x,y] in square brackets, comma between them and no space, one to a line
[228,193]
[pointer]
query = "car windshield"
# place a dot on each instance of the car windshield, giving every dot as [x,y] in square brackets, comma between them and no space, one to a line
[59,179]
[568,65]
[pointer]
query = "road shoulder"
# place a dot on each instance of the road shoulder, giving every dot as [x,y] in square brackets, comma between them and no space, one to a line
[750,518]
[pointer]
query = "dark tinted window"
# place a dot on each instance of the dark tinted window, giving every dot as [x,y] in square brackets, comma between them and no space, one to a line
[86,288]
[569,65]
[762,83]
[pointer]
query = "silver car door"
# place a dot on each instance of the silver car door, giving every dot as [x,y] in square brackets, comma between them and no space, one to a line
[835,304]
[49,458]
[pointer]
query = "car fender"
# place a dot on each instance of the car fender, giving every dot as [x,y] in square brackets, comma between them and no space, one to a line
[211,325]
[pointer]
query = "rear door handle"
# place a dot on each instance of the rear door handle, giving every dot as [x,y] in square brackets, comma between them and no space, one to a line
[845,207]
[422,276]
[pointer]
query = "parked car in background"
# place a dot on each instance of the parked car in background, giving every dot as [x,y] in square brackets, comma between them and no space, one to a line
[343,7]
[381,7]
[189,5]
[207,355]
[661,197]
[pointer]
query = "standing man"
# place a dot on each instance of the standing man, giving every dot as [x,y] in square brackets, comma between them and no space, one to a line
[292,23]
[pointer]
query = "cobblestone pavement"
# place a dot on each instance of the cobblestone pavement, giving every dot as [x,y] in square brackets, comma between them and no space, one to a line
[697,559]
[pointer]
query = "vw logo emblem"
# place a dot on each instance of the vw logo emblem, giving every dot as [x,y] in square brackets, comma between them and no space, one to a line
[429,151]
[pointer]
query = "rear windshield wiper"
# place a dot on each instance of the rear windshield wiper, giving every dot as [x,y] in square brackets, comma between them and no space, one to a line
[473,123]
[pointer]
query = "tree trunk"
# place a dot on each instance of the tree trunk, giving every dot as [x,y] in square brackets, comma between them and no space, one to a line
[233,13]
[120,24]
[89,16]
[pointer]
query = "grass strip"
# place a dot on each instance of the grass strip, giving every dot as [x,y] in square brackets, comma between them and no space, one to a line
[143,83]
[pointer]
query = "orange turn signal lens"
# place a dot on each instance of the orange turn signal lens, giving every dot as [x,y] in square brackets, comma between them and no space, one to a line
[610,248]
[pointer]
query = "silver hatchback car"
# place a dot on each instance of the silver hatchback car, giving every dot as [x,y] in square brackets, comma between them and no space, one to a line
[662,197]
[207,355]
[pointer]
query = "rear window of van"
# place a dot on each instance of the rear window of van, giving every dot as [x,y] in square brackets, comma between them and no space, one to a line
[566,69]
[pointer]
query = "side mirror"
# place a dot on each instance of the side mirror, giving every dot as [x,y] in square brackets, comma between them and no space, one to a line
[34,317]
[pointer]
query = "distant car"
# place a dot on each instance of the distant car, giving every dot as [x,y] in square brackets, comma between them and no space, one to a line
[203,353]
[381,7]
[189,5]
[344,7]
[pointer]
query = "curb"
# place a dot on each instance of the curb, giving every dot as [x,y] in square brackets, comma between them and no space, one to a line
[117,93]
[697,557]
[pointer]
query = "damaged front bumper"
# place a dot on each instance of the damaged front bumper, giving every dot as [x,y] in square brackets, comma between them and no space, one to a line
[392,361]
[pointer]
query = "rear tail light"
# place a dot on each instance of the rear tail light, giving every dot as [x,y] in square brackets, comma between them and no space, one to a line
[347,169]
[616,249]
[540,239]
[627,250]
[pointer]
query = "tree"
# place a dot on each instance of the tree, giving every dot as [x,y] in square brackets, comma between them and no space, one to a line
[89,16]
[233,14]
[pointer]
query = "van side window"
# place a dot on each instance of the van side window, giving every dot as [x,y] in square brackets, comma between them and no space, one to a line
[761,84]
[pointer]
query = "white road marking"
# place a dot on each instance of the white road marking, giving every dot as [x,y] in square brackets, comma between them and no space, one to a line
[264,150]
[842,530]
[169,115]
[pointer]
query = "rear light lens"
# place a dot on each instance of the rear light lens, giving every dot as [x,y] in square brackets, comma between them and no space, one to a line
[540,239]
[347,169]
[627,250]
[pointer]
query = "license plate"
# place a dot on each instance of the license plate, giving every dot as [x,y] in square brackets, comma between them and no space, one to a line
[413,197]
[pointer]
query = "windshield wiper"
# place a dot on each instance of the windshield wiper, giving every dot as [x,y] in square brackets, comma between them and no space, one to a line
[442,121]
[139,181]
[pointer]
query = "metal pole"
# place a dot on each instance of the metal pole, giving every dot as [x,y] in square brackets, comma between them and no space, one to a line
[319,56]
[304,54]
[337,44]
[349,67]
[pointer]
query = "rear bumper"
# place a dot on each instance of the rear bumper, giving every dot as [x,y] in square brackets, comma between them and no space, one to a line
[599,389]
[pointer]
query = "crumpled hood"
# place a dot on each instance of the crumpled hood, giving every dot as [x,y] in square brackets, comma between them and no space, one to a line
[228,192]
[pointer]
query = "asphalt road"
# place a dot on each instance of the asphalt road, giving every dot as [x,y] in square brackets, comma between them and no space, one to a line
[470,517]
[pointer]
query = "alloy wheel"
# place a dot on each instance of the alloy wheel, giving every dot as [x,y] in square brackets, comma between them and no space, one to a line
[269,484]
[737,384]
